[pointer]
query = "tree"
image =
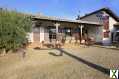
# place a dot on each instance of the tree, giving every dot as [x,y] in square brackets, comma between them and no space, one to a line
[13,29]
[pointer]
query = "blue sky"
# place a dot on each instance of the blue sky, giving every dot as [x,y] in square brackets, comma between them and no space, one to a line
[61,8]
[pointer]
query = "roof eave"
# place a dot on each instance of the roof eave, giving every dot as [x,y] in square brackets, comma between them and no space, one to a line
[103,9]
[69,21]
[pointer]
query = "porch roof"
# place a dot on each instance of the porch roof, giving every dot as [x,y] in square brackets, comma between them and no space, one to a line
[48,18]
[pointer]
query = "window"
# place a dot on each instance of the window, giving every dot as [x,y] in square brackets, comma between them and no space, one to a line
[67,31]
[52,32]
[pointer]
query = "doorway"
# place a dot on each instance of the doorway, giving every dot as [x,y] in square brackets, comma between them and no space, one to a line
[52,33]
[36,34]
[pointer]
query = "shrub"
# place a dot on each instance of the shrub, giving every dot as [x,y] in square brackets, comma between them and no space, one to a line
[13,29]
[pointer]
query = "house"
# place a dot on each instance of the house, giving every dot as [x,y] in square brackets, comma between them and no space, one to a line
[102,25]
[110,22]
[47,28]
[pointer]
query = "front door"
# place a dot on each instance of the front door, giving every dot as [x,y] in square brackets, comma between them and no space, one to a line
[36,34]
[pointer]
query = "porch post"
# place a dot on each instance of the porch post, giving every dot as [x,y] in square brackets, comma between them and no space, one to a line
[57,28]
[81,28]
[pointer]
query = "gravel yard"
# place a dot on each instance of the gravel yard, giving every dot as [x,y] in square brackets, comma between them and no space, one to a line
[75,63]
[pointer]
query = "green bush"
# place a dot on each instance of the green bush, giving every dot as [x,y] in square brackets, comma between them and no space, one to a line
[13,29]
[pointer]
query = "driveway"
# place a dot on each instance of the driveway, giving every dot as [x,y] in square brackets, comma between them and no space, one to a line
[75,63]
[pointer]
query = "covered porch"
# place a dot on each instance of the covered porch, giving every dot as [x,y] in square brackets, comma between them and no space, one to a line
[71,31]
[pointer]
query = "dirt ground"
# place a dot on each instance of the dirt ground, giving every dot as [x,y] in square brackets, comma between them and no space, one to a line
[75,63]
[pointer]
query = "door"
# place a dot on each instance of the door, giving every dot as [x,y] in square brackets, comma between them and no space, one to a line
[52,33]
[36,34]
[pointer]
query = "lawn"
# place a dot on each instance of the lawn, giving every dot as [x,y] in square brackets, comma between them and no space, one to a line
[75,63]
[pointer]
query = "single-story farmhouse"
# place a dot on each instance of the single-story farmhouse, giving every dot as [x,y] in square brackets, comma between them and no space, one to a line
[102,25]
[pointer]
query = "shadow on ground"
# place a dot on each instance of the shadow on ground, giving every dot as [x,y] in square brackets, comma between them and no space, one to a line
[107,47]
[90,64]
[54,54]
[38,48]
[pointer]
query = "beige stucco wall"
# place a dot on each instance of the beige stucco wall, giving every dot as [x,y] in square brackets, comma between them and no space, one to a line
[95,31]
[112,21]
[94,18]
